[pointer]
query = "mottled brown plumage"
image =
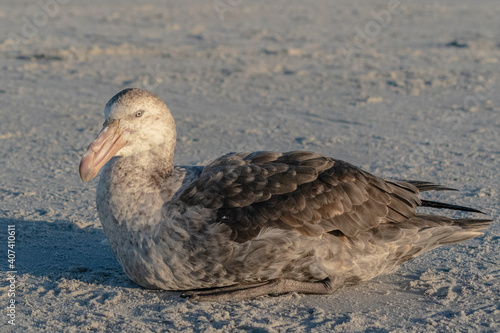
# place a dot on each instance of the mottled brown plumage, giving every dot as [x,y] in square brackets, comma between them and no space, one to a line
[253,223]
[301,191]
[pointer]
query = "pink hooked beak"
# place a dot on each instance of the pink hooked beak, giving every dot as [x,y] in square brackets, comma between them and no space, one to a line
[109,141]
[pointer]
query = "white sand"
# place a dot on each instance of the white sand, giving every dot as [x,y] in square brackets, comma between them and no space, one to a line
[419,100]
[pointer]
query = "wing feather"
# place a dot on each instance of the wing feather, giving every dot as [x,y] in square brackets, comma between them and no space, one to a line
[300,191]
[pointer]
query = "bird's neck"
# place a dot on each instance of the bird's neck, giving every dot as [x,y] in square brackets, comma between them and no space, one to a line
[131,190]
[151,161]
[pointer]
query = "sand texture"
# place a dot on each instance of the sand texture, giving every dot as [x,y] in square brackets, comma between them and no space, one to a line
[408,91]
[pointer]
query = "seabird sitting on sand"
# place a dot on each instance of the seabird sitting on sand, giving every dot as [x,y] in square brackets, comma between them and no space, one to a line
[250,224]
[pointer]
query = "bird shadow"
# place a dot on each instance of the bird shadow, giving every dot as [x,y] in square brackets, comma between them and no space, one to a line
[60,249]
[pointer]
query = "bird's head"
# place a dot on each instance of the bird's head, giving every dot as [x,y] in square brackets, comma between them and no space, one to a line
[136,121]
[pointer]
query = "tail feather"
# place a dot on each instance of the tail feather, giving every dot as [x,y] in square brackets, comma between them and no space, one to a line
[428,186]
[469,228]
[437,204]
[423,186]
[472,224]
[435,231]
[450,230]
[444,230]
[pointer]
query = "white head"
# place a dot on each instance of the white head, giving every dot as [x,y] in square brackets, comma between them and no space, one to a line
[137,121]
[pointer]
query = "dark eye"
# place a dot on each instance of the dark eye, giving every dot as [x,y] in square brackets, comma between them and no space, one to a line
[139,113]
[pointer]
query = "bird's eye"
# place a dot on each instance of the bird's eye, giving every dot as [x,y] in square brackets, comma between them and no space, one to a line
[139,113]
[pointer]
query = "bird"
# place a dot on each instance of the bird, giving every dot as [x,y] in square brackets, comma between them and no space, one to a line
[251,224]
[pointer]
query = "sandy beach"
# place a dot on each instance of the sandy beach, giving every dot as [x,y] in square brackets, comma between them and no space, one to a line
[404,90]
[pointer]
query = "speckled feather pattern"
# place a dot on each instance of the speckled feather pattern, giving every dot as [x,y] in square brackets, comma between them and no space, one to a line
[250,217]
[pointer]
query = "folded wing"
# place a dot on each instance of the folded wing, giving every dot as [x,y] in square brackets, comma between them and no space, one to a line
[302,191]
